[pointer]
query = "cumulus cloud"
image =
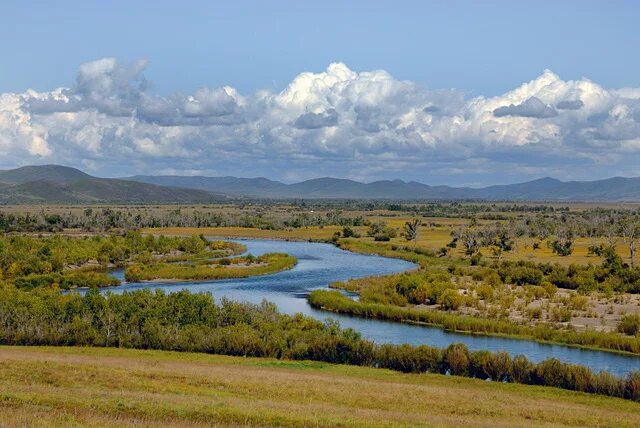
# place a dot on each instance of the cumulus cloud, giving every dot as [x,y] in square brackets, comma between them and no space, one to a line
[336,122]
[316,120]
[570,105]
[531,107]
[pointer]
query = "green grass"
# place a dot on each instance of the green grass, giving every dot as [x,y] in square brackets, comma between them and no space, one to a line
[42,386]
[262,265]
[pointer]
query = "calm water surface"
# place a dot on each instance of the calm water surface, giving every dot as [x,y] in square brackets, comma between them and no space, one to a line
[320,264]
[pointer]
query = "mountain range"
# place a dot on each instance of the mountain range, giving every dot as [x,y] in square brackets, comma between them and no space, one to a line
[61,184]
[544,189]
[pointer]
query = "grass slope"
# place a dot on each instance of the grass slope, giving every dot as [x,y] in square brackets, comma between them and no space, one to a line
[58,184]
[41,386]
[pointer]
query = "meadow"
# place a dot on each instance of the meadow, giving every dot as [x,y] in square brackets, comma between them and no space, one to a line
[61,386]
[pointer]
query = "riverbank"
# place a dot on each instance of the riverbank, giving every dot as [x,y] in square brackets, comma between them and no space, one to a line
[158,388]
[337,302]
[455,321]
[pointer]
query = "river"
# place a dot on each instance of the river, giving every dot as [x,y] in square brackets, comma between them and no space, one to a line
[320,264]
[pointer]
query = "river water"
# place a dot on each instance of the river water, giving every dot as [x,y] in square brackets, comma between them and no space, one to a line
[320,264]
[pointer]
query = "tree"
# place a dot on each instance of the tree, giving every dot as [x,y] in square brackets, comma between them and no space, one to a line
[411,231]
[563,245]
[348,232]
[630,232]
[469,239]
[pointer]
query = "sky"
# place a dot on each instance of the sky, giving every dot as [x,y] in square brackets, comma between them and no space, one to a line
[441,92]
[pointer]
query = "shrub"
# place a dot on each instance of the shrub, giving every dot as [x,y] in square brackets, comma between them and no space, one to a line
[632,386]
[562,247]
[549,289]
[534,313]
[476,259]
[487,365]
[348,232]
[484,291]
[526,275]
[560,314]
[521,370]
[457,359]
[450,299]
[606,384]
[629,324]
[579,303]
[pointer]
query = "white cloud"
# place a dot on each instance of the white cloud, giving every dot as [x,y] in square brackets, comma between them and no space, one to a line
[337,122]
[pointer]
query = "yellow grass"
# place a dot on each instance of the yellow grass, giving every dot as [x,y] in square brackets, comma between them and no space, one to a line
[305,233]
[107,387]
[430,237]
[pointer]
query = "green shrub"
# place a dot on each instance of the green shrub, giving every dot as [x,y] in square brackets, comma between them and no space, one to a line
[457,359]
[450,299]
[521,370]
[630,324]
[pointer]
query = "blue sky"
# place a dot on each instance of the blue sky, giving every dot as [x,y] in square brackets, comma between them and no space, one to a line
[452,52]
[482,47]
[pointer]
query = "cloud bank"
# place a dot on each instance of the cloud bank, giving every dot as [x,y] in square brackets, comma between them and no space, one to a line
[338,122]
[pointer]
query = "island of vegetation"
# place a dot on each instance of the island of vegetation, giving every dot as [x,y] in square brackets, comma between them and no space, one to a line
[69,262]
[223,268]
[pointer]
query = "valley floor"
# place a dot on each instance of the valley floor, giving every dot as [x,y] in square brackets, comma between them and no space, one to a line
[49,386]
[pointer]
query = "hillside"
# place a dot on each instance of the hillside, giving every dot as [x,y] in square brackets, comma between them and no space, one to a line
[545,189]
[57,184]
[106,387]
[27,174]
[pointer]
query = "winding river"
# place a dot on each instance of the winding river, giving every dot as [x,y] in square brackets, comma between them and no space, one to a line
[320,264]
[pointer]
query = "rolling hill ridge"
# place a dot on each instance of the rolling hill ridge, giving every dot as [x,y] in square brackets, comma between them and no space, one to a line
[544,189]
[61,184]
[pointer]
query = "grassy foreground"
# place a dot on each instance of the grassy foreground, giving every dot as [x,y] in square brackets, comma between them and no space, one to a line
[54,386]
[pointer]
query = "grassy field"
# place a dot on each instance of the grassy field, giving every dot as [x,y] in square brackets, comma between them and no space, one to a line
[304,233]
[42,386]
[430,237]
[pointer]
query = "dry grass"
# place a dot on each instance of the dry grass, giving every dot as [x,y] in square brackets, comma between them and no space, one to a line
[100,387]
[430,237]
[304,234]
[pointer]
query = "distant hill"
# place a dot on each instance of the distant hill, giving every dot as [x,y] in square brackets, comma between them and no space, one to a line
[545,189]
[27,174]
[59,184]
